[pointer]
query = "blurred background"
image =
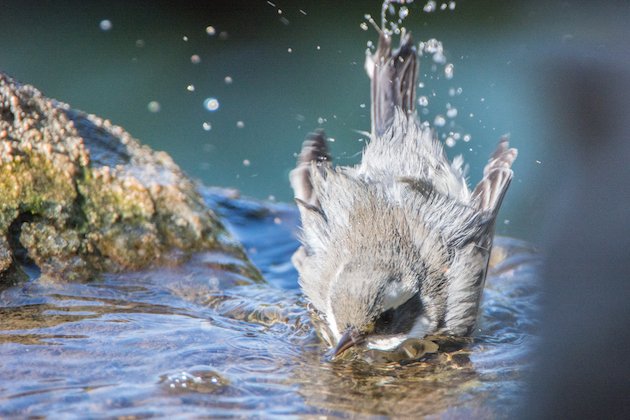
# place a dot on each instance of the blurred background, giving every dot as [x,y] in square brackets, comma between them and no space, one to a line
[230,88]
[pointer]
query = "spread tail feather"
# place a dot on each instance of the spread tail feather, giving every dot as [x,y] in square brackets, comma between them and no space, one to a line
[393,76]
[497,175]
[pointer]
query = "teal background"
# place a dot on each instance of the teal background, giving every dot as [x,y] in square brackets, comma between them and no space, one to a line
[501,52]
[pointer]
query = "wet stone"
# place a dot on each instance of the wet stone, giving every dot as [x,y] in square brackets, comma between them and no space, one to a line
[79,195]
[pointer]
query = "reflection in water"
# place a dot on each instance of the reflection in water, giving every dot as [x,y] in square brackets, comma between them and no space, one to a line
[208,338]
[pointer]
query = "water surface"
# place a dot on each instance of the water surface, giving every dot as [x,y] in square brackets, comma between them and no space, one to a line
[204,339]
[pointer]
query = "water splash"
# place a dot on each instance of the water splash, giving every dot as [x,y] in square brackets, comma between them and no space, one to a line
[211,104]
[105,25]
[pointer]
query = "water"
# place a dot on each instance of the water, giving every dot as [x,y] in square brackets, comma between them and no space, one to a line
[204,339]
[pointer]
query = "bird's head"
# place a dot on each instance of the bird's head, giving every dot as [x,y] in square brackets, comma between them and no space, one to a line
[374,307]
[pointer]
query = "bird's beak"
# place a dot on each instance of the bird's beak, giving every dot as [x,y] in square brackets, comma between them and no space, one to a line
[350,338]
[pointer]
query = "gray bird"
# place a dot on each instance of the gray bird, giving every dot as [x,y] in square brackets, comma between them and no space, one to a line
[396,247]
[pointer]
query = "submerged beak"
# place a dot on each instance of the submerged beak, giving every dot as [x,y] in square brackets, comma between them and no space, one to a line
[350,338]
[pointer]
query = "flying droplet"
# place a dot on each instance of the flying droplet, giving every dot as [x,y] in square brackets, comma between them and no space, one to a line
[211,104]
[154,106]
[206,126]
[364,26]
[451,112]
[228,80]
[448,70]
[105,25]
[429,7]
[190,88]
[195,59]
[240,124]
[210,30]
[439,121]
[423,101]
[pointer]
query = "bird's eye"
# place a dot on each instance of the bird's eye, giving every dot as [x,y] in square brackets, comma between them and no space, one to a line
[400,319]
[385,319]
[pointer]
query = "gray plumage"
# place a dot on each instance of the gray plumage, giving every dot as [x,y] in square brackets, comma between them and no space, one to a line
[397,246]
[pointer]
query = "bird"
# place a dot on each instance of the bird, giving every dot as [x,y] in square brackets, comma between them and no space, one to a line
[397,246]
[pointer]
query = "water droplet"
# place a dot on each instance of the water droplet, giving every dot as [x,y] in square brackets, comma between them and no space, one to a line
[448,70]
[331,139]
[277,220]
[451,112]
[443,6]
[228,80]
[290,50]
[190,88]
[466,138]
[364,26]
[362,106]
[423,101]
[319,48]
[139,43]
[185,38]
[403,12]
[211,104]
[483,100]
[538,162]
[240,124]
[246,162]
[451,5]
[195,59]
[439,121]
[429,7]
[154,106]
[210,30]
[105,25]
[207,126]
[439,57]
[506,221]
[223,35]
[450,141]
[320,120]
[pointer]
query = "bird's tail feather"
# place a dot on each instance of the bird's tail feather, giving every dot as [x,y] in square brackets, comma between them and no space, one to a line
[393,76]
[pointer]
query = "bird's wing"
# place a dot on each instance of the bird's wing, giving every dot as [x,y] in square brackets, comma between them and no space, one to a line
[314,149]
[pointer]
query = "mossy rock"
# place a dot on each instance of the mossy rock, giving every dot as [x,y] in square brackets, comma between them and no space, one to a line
[79,195]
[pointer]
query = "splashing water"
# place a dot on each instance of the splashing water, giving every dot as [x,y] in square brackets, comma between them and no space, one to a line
[204,339]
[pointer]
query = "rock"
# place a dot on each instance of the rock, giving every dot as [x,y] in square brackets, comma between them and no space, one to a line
[79,195]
